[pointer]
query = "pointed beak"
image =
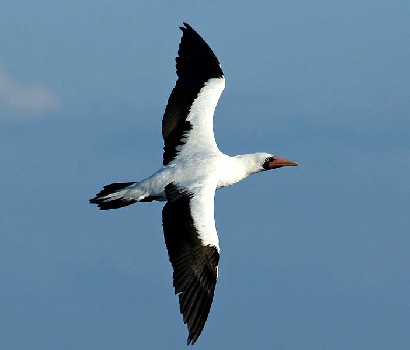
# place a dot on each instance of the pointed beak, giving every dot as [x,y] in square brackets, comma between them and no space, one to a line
[280,162]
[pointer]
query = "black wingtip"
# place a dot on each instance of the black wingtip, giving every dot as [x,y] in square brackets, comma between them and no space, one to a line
[188,28]
[192,338]
[196,61]
[185,27]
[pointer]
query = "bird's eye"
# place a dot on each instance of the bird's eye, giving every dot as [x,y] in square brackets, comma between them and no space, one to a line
[270,159]
[267,159]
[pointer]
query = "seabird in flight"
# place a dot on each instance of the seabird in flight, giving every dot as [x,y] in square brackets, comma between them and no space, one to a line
[193,169]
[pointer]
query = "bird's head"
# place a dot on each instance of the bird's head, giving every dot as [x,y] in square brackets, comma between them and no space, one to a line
[261,161]
[274,162]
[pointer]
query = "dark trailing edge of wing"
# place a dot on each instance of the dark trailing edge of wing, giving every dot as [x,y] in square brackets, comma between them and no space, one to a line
[195,265]
[196,64]
[112,204]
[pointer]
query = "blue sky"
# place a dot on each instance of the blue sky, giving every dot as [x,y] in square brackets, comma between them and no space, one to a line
[314,257]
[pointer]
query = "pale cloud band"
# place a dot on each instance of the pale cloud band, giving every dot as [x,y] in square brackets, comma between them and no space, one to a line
[31,99]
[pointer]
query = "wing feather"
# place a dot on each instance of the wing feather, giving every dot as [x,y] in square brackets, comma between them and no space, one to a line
[193,100]
[193,258]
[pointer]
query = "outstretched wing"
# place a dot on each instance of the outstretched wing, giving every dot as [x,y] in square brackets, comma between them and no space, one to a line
[187,125]
[193,248]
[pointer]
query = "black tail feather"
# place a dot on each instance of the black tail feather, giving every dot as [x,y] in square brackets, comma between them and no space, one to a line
[114,187]
[105,204]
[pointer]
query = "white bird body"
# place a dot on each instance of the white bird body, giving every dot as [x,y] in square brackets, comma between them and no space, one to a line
[193,169]
[193,172]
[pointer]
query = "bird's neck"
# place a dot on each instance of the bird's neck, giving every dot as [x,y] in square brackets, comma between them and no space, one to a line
[237,168]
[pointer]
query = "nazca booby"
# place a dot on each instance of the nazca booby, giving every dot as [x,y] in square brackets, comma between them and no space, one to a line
[193,169]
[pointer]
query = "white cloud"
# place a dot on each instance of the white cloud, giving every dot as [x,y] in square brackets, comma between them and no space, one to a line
[28,99]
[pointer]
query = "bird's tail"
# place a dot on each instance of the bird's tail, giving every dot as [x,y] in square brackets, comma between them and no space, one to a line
[114,196]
